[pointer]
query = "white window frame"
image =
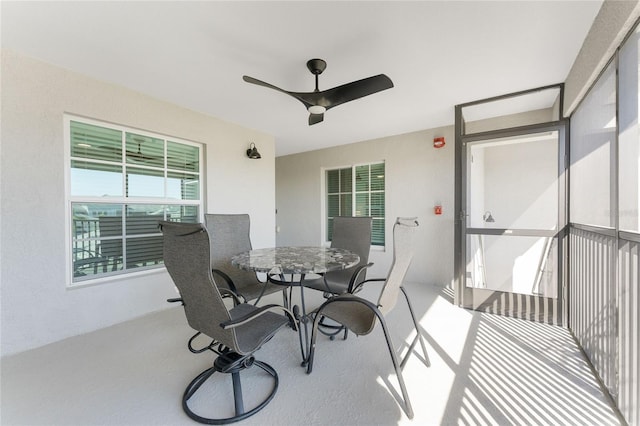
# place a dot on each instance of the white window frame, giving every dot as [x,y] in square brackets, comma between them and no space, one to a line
[323,201]
[122,200]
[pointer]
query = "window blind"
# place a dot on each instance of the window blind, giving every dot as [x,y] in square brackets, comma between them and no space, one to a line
[357,191]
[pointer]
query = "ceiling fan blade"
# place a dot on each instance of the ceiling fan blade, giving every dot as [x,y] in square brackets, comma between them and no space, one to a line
[355,90]
[315,118]
[271,86]
[261,83]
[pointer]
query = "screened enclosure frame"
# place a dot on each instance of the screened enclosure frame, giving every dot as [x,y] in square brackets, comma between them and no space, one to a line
[604,297]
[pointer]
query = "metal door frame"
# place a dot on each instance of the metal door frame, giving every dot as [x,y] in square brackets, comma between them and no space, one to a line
[548,310]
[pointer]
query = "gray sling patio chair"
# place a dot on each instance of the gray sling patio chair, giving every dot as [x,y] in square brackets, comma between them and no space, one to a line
[354,234]
[236,333]
[360,315]
[229,235]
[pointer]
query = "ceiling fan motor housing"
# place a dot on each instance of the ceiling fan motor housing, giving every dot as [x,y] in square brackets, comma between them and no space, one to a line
[316,66]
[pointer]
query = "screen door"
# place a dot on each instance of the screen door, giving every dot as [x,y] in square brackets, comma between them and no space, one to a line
[512,220]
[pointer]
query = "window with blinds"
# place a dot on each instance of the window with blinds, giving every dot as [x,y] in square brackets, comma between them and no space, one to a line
[122,182]
[357,191]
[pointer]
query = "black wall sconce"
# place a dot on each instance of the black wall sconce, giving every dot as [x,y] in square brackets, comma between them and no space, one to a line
[253,153]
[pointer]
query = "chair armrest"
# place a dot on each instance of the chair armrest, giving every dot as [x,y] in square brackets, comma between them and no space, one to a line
[258,312]
[225,292]
[358,287]
[232,287]
[352,283]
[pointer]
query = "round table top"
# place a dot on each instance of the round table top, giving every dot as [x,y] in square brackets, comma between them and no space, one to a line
[295,260]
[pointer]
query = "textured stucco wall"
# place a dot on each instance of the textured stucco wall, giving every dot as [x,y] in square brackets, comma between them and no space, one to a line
[36,306]
[417,176]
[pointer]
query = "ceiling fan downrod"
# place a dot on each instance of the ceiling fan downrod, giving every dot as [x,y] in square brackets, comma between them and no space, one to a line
[316,66]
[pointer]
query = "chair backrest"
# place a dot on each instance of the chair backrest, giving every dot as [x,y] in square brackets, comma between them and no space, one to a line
[403,248]
[186,257]
[354,234]
[229,235]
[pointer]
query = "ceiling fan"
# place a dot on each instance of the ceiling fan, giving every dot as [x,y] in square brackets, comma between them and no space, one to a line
[317,102]
[139,156]
[135,156]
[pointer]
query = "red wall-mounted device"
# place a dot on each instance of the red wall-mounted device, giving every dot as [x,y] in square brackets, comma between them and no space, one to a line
[438,142]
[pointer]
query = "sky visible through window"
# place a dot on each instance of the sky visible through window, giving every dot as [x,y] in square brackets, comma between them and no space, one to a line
[85,183]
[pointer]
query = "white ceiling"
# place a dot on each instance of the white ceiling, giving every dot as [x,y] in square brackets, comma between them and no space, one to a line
[194,54]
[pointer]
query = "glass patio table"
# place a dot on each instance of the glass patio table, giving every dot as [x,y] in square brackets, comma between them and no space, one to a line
[296,261]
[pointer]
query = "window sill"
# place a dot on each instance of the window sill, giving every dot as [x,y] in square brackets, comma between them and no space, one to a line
[381,249]
[112,278]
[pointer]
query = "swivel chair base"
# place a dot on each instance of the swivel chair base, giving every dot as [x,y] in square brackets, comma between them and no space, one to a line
[233,363]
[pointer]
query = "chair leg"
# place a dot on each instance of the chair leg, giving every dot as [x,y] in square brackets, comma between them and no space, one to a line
[406,403]
[418,334]
[406,406]
[237,392]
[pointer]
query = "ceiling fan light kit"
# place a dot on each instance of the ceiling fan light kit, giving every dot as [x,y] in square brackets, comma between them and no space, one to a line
[317,109]
[318,102]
